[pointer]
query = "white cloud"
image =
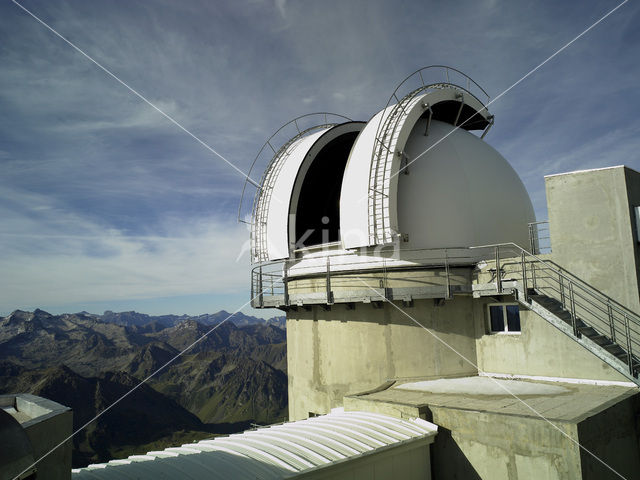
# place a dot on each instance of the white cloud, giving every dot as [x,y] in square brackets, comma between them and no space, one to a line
[200,258]
[52,256]
[140,115]
[85,162]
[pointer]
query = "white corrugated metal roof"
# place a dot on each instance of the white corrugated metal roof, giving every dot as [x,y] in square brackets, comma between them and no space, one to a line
[275,452]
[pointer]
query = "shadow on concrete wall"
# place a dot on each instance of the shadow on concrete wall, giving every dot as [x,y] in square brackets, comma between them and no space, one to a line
[448,461]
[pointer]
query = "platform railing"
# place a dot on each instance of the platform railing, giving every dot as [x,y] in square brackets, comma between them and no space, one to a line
[587,306]
[539,237]
[273,279]
[516,271]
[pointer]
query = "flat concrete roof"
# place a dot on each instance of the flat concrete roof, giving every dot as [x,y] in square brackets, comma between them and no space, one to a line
[553,400]
[29,409]
[587,170]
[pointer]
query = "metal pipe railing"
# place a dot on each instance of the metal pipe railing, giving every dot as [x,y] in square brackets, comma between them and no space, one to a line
[539,237]
[585,304]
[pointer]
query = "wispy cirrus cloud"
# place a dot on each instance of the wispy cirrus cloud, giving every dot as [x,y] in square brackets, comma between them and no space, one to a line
[97,185]
[67,258]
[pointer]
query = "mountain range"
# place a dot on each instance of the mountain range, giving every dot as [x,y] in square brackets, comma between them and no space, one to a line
[134,318]
[207,375]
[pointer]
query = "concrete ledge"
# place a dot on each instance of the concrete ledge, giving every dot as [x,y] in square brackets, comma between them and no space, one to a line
[47,424]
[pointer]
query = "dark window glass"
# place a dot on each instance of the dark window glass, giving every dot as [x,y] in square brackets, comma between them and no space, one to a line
[513,318]
[497,318]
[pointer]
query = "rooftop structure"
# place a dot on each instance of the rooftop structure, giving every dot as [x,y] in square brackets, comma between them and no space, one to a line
[505,428]
[30,427]
[411,254]
[413,175]
[337,446]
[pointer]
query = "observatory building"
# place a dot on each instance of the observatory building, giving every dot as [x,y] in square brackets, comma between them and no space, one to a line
[406,254]
[434,328]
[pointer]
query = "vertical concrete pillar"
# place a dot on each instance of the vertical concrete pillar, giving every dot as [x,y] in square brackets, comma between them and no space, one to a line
[593,229]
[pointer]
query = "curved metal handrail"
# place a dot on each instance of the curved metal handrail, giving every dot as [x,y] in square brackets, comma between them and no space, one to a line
[272,277]
[447,80]
[266,144]
[416,91]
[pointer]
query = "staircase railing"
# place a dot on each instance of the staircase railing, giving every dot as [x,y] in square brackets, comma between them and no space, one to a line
[539,237]
[586,305]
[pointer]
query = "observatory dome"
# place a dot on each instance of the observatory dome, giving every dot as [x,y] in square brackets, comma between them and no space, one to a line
[413,176]
[460,193]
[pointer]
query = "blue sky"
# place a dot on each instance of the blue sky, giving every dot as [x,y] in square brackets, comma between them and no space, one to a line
[104,204]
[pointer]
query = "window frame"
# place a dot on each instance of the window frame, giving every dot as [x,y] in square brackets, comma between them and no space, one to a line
[506,330]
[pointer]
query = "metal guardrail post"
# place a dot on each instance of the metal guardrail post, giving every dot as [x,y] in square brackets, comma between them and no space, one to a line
[253,290]
[498,275]
[523,264]
[612,325]
[572,309]
[260,295]
[567,284]
[286,284]
[329,293]
[629,352]
[532,244]
[534,279]
[385,280]
[448,279]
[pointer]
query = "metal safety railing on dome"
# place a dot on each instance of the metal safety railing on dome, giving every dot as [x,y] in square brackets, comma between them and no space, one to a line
[270,280]
[385,148]
[576,307]
[301,126]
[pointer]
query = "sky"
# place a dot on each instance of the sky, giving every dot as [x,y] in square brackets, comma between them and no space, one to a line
[105,204]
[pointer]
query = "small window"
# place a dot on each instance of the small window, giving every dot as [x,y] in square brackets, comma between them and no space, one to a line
[504,318]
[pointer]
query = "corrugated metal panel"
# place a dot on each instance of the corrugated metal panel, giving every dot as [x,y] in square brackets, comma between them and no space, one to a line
[275,452]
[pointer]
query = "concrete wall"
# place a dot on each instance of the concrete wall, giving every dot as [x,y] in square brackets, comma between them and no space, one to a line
[45,435]
[51,423]
[592,225]
[340,351]
[612,436]
[407,462]
[539,350]
[479,444]
[474,445]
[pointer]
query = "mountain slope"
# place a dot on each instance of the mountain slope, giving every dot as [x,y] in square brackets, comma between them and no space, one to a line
[230,374]
[143,416]
[226,387]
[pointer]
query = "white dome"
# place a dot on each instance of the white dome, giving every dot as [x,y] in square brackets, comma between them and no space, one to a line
[345,186]
[460,193]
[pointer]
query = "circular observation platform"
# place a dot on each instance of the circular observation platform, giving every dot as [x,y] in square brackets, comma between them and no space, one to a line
[391,203]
